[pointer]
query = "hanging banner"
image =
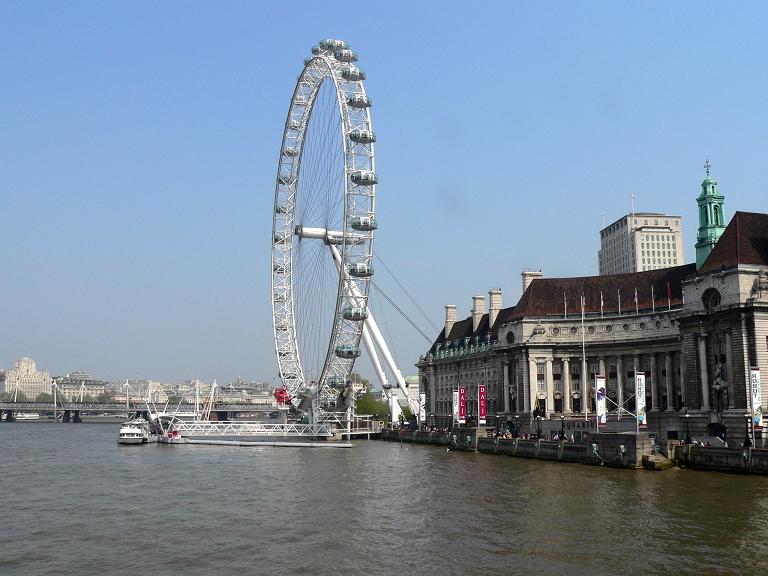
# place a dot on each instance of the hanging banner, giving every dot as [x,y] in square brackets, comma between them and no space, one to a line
[481,404]
[422,407]
[757,408]
[640,399]
[455,406]
[462,404]
[600,399]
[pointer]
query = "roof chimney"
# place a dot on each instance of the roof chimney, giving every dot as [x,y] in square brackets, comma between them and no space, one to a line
[478,309]
[529,276]
[494,305]
[450,318]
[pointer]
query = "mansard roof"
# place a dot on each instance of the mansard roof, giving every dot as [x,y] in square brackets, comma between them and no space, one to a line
[744,241]
[550,296]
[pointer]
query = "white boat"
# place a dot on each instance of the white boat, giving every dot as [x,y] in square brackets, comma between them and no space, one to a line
[136,431]
[27,416]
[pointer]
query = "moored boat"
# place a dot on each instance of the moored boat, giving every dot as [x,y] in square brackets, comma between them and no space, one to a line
[136,431]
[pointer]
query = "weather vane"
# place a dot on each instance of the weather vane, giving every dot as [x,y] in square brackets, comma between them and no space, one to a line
[707,166]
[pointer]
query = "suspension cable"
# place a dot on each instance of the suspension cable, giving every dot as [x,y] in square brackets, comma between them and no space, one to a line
[403,314]
[413,301]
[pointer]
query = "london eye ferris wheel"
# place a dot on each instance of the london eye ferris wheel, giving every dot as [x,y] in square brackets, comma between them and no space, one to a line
[324,222]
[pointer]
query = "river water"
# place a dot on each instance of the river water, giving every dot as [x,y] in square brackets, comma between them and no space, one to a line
[74,502]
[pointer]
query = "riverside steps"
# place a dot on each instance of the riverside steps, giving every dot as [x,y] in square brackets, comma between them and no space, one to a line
[617,450]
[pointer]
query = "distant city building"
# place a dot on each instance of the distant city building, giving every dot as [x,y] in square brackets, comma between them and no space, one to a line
[79,386]
[640,242]
[27,380]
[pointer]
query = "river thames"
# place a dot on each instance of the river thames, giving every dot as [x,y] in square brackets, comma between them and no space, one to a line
[74,502]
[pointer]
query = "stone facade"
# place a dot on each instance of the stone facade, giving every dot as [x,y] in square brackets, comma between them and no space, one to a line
[639,242]
[694,333]
[25,378]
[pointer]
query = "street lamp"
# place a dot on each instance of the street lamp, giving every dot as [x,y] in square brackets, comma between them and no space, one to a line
[747,438]
[687,427]
[538,426]
[562,426]
[517,425]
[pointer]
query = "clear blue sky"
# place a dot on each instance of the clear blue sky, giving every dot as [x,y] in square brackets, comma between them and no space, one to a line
[139,141]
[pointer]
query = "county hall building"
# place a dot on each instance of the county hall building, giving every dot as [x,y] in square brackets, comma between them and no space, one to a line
[695,330]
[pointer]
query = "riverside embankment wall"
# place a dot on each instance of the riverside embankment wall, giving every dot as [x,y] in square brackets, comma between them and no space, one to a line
[622,450]
[619,449]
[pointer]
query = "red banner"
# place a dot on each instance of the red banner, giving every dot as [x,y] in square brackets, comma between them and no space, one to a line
[462,404]
[481,404]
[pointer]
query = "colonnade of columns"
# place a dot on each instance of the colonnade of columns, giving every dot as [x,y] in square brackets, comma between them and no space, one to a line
[661,382]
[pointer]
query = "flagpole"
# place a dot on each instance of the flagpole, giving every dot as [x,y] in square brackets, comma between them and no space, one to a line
[653,300]
[618,296]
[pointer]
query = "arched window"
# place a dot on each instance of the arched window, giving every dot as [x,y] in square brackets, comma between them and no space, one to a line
[704,216]
[717,215]
[710,299]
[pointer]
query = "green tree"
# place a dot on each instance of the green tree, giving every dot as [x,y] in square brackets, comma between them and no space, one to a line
[106,397]
[368,404]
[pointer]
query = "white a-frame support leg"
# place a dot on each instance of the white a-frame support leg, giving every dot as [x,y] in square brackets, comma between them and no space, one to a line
[373,340]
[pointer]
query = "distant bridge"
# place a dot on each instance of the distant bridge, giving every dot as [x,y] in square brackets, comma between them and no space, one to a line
[72,411]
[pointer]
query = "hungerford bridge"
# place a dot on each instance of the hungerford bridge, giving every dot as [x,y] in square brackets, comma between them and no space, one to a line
[74,411]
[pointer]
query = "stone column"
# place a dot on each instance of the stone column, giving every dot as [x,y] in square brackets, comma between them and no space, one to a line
[532,382]
[566,376]
[549,382]
[703,376]
[506,386]
[681,364]
[668,381]
[601,365]
[654,387]
[729,371]
[620,376]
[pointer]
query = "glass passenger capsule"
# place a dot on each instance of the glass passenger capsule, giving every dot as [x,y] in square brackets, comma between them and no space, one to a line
[360,270]
[316,50]
[347,351]
[337,381]
[359,101]
[352,74]
[331,44]
[345,55]
[364,177]
[360,136]
[363,223]
[354,313]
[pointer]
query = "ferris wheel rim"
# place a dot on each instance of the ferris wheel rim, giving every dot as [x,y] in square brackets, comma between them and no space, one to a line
[359,206]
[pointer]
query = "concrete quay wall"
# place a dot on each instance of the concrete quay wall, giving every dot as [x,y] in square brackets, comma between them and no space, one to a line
[619,450]
[742,460]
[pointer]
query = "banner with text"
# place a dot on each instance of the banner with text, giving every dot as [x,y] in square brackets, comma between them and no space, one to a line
[422,407]
[462,404]
[757,401]
[455,406]
[640,399]
[481,404]
[600,399]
